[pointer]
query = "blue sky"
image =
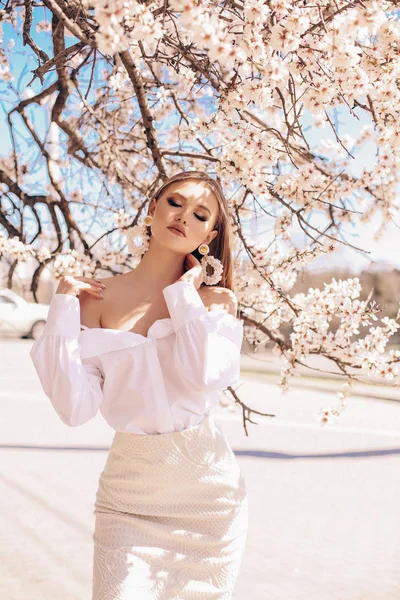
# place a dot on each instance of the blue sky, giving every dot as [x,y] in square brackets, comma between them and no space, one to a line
[383,251]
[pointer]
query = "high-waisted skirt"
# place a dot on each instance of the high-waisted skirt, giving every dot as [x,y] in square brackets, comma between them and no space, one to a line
[171,517]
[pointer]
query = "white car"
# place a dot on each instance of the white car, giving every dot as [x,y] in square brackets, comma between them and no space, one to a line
[19,317]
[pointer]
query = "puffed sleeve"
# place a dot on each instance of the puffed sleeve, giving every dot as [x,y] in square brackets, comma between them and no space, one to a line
[75,389]
[207,344]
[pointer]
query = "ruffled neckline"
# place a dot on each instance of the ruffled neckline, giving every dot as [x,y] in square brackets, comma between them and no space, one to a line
[100,340]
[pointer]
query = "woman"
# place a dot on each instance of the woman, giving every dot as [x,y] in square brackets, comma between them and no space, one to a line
[152,349]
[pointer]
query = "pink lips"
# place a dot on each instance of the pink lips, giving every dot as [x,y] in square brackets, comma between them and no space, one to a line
[176,231]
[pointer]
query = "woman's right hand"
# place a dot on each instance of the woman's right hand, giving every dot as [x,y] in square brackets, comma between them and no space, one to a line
[74,285]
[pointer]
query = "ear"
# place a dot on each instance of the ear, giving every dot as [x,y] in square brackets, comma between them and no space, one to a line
[152,206]
[211,236]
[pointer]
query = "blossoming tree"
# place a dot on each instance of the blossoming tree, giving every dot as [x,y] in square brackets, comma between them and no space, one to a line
[126,93]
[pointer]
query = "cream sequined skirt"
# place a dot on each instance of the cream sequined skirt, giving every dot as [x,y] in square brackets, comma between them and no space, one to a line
[171,516]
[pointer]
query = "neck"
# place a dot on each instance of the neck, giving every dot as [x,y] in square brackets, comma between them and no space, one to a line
[159,267]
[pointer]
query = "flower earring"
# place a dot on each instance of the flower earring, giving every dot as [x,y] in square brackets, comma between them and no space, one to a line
[214,262]
[138,237]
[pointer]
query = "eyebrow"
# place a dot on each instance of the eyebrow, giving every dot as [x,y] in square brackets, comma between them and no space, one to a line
[183,198]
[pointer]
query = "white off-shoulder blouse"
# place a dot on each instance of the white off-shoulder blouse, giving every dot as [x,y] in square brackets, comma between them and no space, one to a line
[163,382]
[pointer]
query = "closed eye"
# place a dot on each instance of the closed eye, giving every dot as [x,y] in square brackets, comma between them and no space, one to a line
[172,203]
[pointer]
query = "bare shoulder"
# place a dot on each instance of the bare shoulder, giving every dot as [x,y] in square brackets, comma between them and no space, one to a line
[90,310]
[92,307]
[215,296]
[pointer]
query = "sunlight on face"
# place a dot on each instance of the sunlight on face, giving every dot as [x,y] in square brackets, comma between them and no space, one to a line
[194,207]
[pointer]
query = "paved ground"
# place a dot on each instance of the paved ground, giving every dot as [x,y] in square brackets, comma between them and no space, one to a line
[324,503]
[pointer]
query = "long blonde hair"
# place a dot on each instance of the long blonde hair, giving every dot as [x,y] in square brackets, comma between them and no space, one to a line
[221,245]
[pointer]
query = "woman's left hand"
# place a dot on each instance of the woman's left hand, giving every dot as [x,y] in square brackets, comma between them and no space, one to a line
[194,272]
